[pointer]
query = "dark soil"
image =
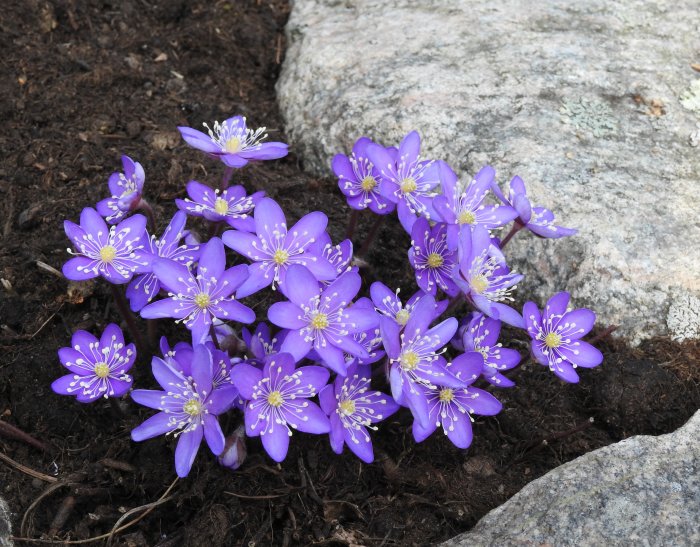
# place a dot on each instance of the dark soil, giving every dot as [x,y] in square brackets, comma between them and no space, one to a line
[85,81]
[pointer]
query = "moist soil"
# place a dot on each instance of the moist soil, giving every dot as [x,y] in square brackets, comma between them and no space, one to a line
[86,81]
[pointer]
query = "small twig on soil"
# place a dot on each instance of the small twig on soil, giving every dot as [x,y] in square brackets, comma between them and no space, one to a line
[12,432]
[117,464]
[64,511]
[27,470]
[539,445]
[46,493]
[278,50]
[265,497]
[312,494]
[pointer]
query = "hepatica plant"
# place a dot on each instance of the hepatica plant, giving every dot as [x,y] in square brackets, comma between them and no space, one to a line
[335,351]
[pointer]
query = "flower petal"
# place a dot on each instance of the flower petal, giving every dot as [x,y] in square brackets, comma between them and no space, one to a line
[186,450]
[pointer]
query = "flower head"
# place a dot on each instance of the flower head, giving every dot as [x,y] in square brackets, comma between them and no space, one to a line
[406,180]
[273,249]
[415,356]
[433,262]
[462,206]
[114,253]
[538,220]
[143,288]
[322,318]
[452,408]
[233,143]
[485,279]
[195,299]
[480,334]
[230,205]
[556,336]
[188,408]
[278,401]
[388,304]
[97,367]
[353,408]
[126,189]
[261,343]
[360,181]
[340,256]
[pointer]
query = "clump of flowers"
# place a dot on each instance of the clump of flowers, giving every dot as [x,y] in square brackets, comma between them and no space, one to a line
[334,352]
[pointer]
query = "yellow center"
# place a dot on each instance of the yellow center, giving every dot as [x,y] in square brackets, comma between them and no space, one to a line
[552,340]
[102,370]
[435,260]
[347,407]
[275,399]
[402,317]
[466,217]
[108,253]
[232,145]
[484,352]
[409,360]
[446,395]
[192,407]
[221,206]
[368,183]
[408,185]
[479,283]
[319,321]
[202,300]
[280,257]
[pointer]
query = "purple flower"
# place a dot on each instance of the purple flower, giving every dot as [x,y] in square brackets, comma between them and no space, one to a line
[235,450]
[126,191]
[538,220]
[233,143]
[556,337]
[431,259]
[197,299]
[261,343]
[144,288]
[415,357]
[353,408]
[98,368]
[340,256]
[188,408]
[360,181]
[388,304]
[485,279]
[452,408]
[480,334]
[114,253]
[279,401]
[462,205]
[322,319]
[231,206]
[406,180]
[273,249]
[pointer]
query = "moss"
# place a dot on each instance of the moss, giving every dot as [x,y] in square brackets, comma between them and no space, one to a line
[589,115]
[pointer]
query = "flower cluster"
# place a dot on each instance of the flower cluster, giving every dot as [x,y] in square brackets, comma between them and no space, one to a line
[312,366]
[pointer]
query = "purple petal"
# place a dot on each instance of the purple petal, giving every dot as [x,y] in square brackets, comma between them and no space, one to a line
[556,305]
[421,433]
[268,217]
[80,268]
[165,375]
[286,315]
[467,366]
[582,354]
[202,370]
[296,344]
[212,261]
[332,357]
[199,140]
[164,308]
[336,433]
[300,286]
[149,397]
[175,277]
[245,377]
[443,332]
[390,330]
[309,228]
[359,442]
[484,404]
[308,419]
[235,311]
[581,322]
[275,440]
[213,434]
[186,450]
[410,147]
[532,318]
[92,222]
[152,427]
[461,431]
[259,277]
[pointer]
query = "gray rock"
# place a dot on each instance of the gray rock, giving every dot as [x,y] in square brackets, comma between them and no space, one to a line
[5,525]
[641,491]
[592,102]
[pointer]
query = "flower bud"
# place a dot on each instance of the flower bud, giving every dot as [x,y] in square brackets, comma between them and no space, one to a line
[235,451]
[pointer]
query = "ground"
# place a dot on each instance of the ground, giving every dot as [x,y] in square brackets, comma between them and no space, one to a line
[84,82]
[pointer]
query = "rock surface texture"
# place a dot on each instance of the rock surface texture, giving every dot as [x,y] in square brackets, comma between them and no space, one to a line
[5,528]
[641,491]
[593,103]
